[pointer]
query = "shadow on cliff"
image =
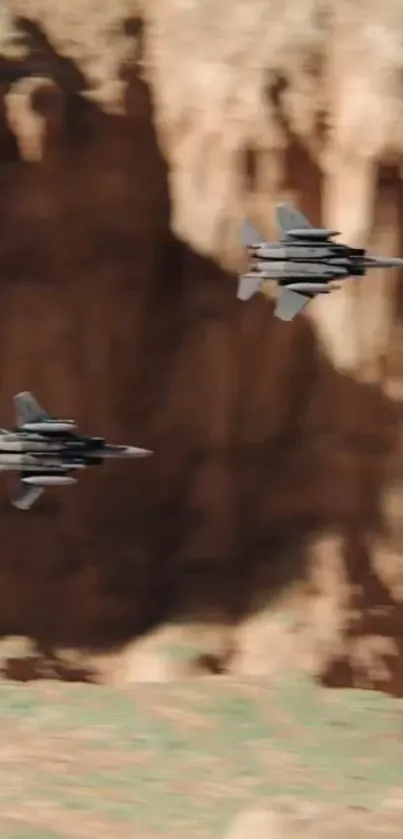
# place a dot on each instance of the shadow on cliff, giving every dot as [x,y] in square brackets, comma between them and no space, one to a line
[109,318]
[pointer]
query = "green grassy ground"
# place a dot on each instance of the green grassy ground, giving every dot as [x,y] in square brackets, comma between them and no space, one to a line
[184,760]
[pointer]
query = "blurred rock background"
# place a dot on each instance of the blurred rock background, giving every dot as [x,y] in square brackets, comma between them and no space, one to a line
[134,137]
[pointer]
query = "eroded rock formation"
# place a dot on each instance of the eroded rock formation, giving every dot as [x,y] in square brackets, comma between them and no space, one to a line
[133,138]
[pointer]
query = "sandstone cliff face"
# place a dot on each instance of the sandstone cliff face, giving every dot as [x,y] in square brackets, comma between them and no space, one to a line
[133,138]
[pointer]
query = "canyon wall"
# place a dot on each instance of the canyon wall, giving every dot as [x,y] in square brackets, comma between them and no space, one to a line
[134,137]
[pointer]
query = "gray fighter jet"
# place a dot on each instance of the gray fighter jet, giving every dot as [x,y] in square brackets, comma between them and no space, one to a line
[305,262]
[46,451]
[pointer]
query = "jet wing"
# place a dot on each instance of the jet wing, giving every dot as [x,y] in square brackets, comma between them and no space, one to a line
[27,409]
[290,303]
[288,218]
[27,496]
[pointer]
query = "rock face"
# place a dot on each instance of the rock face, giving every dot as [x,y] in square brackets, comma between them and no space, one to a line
[133,138]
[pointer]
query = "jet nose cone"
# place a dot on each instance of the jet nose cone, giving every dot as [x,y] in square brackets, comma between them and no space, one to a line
[395,261]
[385,261]
[134,451]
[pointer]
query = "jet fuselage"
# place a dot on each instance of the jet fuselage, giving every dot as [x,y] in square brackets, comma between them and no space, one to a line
[287,261]
[59,452]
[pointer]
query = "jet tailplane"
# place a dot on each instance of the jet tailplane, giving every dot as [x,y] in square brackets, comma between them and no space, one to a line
[249,284]
[27,496]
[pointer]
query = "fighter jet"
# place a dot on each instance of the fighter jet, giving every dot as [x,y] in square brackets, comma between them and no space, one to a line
[47,452]
[305,262]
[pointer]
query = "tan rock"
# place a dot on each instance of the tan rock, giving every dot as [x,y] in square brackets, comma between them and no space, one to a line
[258,824]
